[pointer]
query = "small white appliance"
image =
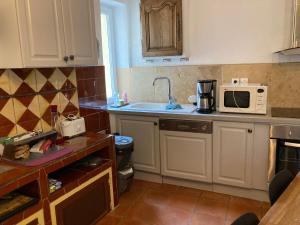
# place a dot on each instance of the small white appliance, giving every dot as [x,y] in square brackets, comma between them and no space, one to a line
[72,127]
[249,98]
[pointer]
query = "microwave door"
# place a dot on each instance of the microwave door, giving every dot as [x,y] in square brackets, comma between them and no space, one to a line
[237,99]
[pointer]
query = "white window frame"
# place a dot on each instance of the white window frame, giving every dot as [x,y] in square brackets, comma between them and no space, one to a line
[108,11]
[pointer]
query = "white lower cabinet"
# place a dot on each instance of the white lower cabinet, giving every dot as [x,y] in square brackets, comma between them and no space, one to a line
[233,153]
[186,155]
[145,132]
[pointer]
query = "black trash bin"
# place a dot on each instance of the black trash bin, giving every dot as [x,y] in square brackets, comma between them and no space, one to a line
[124,148]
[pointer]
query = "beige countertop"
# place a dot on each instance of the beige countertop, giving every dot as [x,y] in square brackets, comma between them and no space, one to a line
[230,117]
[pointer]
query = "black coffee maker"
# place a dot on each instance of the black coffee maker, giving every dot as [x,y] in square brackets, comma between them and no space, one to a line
[206,96]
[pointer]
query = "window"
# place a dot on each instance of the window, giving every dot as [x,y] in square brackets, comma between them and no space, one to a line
[108,50]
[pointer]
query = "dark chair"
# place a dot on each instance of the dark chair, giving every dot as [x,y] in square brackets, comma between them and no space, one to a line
[246,219]
[278,184]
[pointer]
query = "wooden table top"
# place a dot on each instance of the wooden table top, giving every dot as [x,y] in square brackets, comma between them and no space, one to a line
[286,210]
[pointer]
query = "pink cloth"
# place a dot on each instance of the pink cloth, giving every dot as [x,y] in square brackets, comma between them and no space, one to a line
[49,157]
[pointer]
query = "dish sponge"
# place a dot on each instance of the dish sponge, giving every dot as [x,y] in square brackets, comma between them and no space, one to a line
[173,106]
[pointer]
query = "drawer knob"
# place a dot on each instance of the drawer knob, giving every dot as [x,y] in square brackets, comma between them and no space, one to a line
[66,59]
[250,131]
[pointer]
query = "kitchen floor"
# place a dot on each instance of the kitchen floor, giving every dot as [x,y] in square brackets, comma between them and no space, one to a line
[160,204]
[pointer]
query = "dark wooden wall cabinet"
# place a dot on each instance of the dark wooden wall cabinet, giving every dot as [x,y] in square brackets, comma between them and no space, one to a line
[161,22]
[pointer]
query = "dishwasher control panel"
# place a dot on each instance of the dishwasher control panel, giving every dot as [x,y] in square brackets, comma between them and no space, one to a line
[193,126]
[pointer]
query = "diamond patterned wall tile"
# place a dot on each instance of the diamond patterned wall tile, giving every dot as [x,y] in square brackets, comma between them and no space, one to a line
[4,84]
[73,78]
[7,119]
[67,103]
[67,71]
[42,79]
[8,131]
[26,96]
[45,102]
[27,113]
[57,79]
[22,81]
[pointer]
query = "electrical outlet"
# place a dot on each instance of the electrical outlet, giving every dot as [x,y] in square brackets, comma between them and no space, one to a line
[235,81]
[244,81]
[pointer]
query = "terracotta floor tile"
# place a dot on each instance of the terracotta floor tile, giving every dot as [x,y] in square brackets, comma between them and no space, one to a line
[133,194]
[182,201]
[133,221]
[175,216]
[122,209]
[239,206]
[145,212]
[265,207]
[159,198]
[168,188]
[109,220]
[149,203]
[189,191]
[213,207]
[215,196]
[205,219]
[145,184]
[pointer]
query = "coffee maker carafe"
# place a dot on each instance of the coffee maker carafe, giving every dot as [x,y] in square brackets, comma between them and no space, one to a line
[206,96]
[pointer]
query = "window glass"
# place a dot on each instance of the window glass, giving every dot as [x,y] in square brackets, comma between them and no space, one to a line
[108,51]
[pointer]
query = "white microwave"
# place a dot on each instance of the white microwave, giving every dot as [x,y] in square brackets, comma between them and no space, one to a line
[250,98]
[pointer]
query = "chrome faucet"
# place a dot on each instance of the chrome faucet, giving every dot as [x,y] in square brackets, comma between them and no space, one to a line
[171,99]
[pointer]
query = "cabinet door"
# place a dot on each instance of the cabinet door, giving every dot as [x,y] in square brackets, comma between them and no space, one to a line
[85,204]
[186,155]
[145,133]
[79,27]
[161,27]
[41,31]
[232,151]
[35,219]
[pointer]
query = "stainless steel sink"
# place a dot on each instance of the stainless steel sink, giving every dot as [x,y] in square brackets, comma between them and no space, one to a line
[158,107]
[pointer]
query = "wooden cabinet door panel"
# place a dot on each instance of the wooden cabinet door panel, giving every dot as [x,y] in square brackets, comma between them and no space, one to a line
[161,27]
[86,206]
[145,135]
[79,26]
[233,151]
[186,155]
[42,38]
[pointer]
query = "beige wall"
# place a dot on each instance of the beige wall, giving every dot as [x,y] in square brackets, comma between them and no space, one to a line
[283,81]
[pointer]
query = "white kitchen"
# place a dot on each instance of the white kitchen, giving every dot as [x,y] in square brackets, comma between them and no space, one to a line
[161,112]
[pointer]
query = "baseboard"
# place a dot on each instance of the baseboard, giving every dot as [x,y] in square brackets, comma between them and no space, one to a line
[156,178]
[242,192]
[219,188]
[188,183]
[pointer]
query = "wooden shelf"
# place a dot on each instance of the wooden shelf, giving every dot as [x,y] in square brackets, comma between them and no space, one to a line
[75,174]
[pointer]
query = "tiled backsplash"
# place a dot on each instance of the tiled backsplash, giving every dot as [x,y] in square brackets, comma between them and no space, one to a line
[283,81]
[26,96]
[91,83]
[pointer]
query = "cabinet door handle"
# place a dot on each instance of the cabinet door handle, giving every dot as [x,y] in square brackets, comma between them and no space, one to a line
[250,131]
[66,59]
[72,57]
[155,123]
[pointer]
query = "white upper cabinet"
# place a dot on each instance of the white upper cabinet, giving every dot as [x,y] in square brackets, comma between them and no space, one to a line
[42,36]
[80,34]
[50,33]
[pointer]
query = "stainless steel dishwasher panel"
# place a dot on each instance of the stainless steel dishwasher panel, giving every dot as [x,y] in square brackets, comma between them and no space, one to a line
[205,127]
